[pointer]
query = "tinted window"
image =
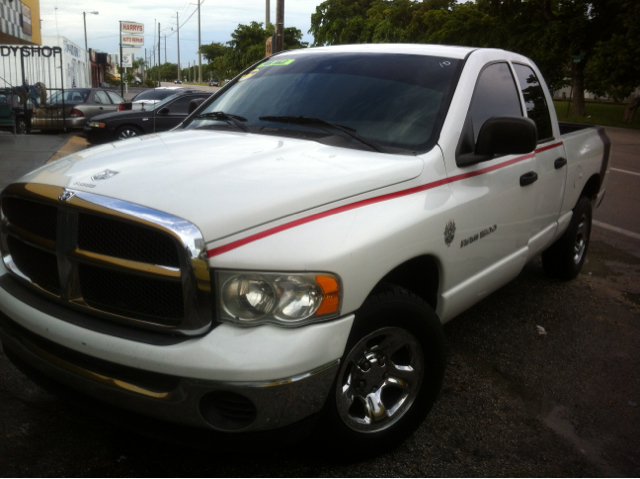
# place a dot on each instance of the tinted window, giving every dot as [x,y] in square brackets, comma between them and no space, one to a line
[394,99]
[115,98]
[495,95]
[102,98]
[534,100]
[181,105]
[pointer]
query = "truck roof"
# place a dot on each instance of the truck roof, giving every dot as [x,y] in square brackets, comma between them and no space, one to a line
[407,48]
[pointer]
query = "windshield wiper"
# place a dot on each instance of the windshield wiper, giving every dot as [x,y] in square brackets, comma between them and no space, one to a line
[222,116]
[306,120]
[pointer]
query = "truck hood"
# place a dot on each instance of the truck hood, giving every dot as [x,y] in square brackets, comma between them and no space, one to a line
[227,182]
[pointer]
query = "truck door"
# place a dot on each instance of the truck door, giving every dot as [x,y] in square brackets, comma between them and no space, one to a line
[550,161]
[494,205]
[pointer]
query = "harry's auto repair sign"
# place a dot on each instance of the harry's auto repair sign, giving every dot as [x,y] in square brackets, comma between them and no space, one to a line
[130,27]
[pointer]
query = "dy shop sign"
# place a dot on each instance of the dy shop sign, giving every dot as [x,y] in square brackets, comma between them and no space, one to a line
[132,40]
[7,51]
[130,27]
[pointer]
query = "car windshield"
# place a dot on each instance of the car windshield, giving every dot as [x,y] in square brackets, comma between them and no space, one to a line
[395,100]
[70,96]
[150,95]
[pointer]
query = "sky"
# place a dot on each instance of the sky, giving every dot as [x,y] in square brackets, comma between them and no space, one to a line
[219,18]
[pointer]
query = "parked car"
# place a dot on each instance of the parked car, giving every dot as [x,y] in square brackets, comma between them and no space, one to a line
[214,83]
[163,116]
[287,255]
[72,108]
[147,98]
[178,82]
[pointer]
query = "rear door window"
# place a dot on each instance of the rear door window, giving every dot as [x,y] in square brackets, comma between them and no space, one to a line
[495,95]
[115,98]
[534,100]
[102,98]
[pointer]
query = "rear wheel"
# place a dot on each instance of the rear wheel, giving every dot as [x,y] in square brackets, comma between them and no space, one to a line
[389,377]
[125,132]
[22,128]
[565,258]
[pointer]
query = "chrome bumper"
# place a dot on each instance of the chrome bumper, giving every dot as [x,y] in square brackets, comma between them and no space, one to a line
[221,406]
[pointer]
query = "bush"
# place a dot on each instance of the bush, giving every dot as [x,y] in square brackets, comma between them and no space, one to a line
[150,83]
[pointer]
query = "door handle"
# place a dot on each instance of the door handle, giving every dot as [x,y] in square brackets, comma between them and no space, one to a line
[528,178]
[101,108]
[559,163]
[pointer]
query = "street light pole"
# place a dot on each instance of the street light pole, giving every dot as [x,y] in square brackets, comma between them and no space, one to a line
[178,23]
[199,54]
[279,31]
[86,49]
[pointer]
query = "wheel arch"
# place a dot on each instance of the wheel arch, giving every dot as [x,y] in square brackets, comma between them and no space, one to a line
[419,275]
[592,188]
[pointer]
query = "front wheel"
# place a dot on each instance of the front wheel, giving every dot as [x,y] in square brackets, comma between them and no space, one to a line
[564,259]
[126,132]
[389,377]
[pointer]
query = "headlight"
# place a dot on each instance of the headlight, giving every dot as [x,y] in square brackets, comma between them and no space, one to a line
[96,124]
[285,299]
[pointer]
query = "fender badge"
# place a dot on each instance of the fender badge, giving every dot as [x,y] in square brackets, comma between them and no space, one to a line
[449,232]
[65,196]
[104,175]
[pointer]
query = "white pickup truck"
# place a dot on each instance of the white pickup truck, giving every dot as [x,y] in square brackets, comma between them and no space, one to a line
[290,252]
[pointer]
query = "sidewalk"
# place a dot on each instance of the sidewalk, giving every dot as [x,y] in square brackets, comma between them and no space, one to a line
[23,153]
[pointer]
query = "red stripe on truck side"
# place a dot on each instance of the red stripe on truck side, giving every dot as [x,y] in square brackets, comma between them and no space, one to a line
[359,204]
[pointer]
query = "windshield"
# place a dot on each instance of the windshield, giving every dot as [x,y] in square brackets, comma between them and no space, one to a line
[70,96]
[396,100]
[149,95]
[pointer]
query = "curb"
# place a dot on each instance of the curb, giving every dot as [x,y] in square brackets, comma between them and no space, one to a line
[75,144]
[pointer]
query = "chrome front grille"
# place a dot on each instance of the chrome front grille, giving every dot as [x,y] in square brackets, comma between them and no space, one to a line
[114,259]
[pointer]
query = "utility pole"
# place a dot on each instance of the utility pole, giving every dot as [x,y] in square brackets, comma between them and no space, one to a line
[165,49]
[278,41]
[121,70]
[159,59]
[267,19]
[178,23]
[199,54]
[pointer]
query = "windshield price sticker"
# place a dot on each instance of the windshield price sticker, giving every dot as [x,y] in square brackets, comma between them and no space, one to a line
[277,63]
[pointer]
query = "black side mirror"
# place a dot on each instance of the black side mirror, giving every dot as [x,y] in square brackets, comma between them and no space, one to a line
[163,111]
[504,135]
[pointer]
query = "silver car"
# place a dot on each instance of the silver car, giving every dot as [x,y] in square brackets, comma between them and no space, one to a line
[80,105]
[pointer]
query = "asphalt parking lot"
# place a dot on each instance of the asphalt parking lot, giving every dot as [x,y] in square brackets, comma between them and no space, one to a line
[514,402]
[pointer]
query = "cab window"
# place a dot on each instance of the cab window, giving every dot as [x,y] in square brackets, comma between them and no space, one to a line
[534,100]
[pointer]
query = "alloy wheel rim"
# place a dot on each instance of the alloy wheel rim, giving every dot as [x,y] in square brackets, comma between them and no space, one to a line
[124,134]
[379,380]
[580,243]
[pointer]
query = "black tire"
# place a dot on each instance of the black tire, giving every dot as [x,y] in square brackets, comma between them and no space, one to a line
[22,127]
[394,329]
[564,258]
[127,131]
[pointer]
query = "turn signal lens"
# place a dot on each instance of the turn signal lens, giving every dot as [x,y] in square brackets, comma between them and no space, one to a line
[330,295]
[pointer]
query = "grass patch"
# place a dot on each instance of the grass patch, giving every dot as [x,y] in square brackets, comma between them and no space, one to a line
[605,114]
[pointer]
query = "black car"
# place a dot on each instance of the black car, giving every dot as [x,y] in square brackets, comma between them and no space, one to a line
[163,116]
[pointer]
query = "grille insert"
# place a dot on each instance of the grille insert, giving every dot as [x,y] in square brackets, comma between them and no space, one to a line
[36,218]
[39,266]
[152,300]
[127,241]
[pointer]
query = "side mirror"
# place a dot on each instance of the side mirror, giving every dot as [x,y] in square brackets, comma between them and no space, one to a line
[504,135]
[163,111]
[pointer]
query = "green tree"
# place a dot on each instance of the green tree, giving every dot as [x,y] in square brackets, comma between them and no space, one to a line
[614,68]
[213,51]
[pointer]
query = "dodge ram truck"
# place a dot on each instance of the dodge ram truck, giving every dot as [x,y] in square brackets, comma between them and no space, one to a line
[288,254]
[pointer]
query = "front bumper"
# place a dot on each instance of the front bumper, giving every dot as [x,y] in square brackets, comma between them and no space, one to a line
[189,382]
[98,135]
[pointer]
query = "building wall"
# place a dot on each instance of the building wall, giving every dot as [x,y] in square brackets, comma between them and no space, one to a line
[20,22]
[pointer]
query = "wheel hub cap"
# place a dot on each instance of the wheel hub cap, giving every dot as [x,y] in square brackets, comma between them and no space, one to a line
[379,380]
